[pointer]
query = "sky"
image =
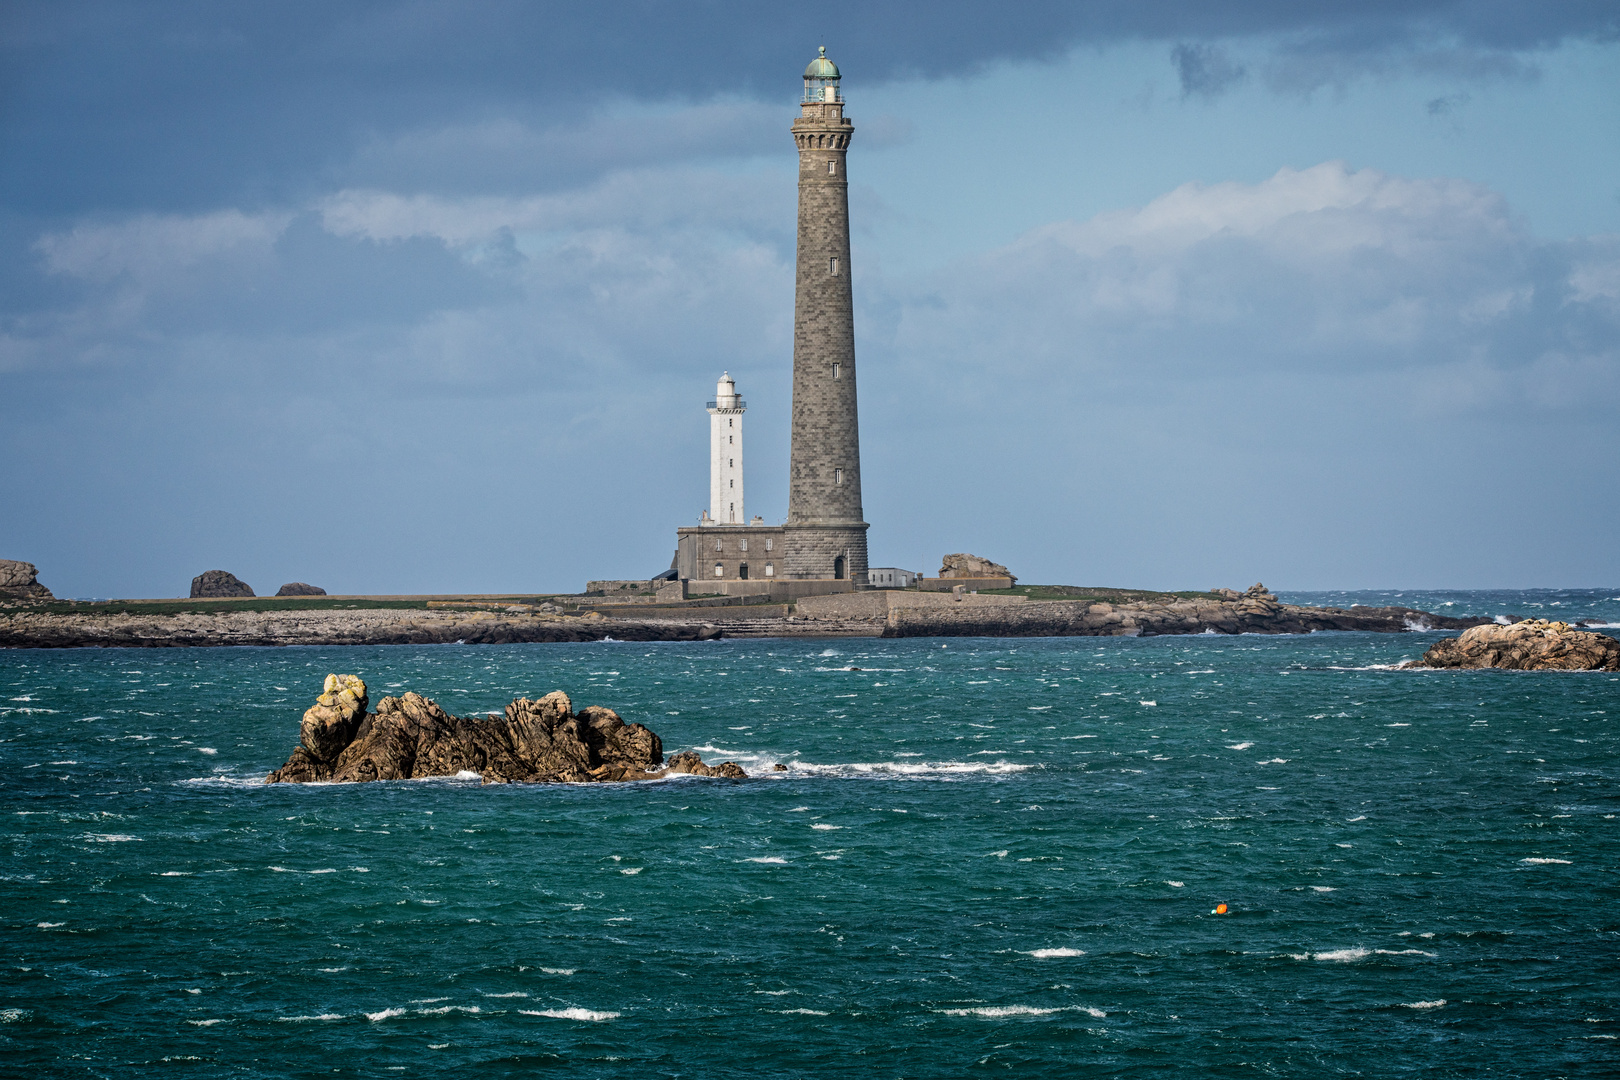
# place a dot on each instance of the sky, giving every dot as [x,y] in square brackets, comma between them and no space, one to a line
[406,297]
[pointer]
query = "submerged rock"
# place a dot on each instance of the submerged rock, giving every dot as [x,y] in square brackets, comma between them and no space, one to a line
[410,737]
[214,584]
[20,581]
[1530,645]
[299,588]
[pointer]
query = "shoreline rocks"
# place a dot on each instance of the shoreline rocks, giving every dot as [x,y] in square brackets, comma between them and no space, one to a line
[217,585]
[1254,611]
[1528,645]
[20,581]
[536,742]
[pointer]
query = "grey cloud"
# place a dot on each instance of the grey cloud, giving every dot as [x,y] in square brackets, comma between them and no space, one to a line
[199,104]
[1205,70]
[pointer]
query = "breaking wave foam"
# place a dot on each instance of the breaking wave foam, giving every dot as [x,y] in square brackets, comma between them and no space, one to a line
[996,1012]
[571,1014]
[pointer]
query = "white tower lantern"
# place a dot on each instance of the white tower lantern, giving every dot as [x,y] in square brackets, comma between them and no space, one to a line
[726,454]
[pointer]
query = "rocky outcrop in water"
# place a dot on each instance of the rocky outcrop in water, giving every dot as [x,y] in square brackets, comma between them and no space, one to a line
[218,584]
[299,588]
[963,565]
[410,737]
[1530,645]
[20,581]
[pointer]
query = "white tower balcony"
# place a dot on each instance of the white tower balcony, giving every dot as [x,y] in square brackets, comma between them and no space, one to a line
[726,454]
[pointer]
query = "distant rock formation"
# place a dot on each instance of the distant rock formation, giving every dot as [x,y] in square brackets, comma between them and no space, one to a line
[963,565]
[1530,645]
[298,588]
[410,737]
[218,584]
[20,581]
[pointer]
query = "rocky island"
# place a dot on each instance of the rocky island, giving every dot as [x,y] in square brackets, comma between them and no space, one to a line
[1528,645]
[1027,611]
[536,742]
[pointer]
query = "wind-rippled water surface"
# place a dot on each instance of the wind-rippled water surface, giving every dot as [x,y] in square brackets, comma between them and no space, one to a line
[984,857]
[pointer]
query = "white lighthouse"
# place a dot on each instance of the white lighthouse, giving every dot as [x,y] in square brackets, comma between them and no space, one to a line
[726,454]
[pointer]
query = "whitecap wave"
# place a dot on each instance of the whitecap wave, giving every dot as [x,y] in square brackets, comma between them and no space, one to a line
[997,1012]
[772,860]
[1342,956]
[1048,954]
[110,838]
[307,1019]
[800,1012]
[906,770]
[1435,1004]
[385,1014]
[571,1014]
[1547,862]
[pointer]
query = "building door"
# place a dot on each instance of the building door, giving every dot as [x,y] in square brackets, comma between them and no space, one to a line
[838,568]
[742,571]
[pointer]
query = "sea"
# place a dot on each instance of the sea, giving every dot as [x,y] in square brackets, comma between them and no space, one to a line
[983,857]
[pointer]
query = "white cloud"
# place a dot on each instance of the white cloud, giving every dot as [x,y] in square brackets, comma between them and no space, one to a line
[1318,270]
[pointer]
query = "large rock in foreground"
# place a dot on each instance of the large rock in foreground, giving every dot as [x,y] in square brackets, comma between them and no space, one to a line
[218,584]
[1531,645]
[20,581]
[410,737]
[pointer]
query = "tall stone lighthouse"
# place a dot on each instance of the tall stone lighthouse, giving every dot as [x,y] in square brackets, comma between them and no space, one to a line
[825,534]
[821,548]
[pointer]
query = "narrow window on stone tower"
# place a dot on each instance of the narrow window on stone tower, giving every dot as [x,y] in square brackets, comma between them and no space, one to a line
[745,543]
[832,166]
[768,543]
[731,463]
[838,476]
[836,368]
[832,266]
[719,544]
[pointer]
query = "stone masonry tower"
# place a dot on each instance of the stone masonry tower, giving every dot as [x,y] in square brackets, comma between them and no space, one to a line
[726,453]
[825,536]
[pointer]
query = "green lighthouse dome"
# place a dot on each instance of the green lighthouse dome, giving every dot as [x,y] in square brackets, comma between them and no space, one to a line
[821,67]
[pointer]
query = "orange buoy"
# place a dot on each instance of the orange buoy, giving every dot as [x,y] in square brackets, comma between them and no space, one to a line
[1220,909]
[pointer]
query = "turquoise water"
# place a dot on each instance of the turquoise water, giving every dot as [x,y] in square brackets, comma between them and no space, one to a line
[986,857]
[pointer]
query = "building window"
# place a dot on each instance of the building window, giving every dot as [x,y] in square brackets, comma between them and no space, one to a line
[770,570]
[719,571]
[745,543]
[731,483]
[728,423]
[832,166]
[731,463]
[837,370]
[730,439]
[768,543]
[838,476]
[832,265]
[719,544]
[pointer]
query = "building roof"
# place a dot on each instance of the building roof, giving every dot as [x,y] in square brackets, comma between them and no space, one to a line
[821,67]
